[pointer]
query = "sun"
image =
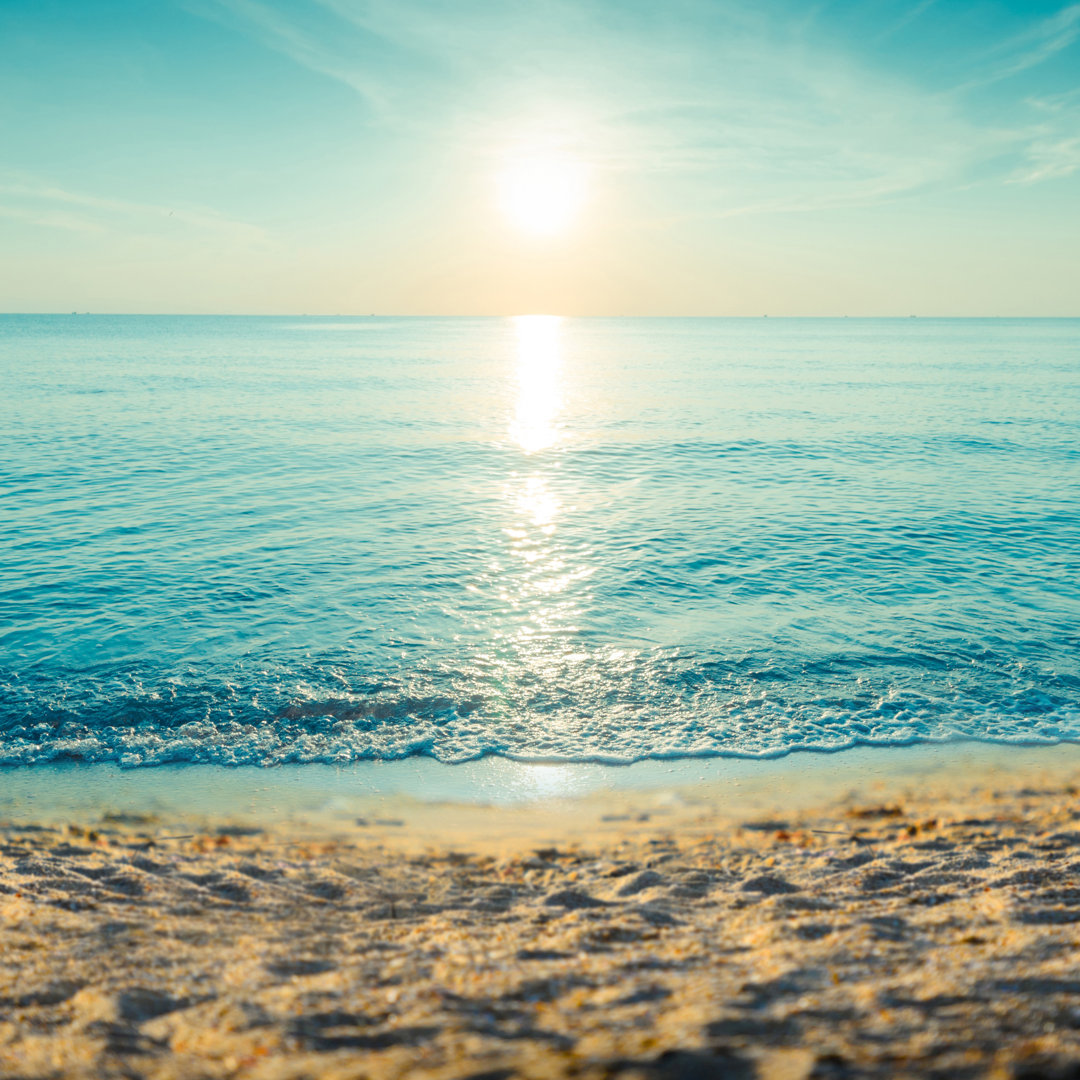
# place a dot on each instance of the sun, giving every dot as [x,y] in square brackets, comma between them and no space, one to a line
[542,196]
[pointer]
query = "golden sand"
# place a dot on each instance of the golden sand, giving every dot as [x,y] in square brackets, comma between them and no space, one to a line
[928,933]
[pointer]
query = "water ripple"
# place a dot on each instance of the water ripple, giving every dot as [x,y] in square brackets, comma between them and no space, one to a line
[252,541]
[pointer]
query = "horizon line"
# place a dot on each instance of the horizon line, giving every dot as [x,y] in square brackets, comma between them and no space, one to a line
[503,315]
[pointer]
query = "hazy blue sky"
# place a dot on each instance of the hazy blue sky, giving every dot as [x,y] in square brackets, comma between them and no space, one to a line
[343,156]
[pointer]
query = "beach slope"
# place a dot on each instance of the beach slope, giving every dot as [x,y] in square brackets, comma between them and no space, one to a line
[926,932]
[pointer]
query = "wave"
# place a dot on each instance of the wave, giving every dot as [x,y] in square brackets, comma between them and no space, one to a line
[607,705]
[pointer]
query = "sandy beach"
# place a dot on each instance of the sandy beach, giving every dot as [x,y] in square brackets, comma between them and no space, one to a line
[918,927]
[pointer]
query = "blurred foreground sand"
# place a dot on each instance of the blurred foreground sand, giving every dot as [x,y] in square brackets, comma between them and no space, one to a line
[932,929]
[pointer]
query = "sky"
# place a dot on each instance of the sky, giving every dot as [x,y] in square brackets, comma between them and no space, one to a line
[595,157]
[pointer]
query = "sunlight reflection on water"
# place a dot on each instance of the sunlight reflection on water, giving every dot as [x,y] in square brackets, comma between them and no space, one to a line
[539,360]
[541,580]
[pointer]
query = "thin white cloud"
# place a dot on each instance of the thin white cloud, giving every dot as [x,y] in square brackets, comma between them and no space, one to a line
[1053,150]
[49,220]
[315,37]
[1033,47]
[777,117]
[915,12]
[36,201]
[1051,159]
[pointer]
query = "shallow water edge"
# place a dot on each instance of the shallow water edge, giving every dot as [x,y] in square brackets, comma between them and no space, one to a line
[426,798]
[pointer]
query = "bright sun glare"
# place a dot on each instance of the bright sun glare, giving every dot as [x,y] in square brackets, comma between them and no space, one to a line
[542,196]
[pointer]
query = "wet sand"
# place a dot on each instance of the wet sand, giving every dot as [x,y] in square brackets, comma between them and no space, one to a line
[913,926]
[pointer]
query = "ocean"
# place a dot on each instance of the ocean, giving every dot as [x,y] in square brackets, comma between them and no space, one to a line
[248,540]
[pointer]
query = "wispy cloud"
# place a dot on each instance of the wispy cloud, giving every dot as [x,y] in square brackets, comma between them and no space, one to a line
[913,13]
[49,219]
[40,202]
[762,113]
[1051,159]
[1029,49]
[354,51]
[1053,147]
[763,106]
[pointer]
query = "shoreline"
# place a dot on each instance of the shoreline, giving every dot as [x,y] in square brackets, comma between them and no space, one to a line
[423,791]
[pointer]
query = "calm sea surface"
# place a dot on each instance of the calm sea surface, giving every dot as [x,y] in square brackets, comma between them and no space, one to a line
[256,540]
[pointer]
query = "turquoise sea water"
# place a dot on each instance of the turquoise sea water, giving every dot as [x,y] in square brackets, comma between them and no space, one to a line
[256,540]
